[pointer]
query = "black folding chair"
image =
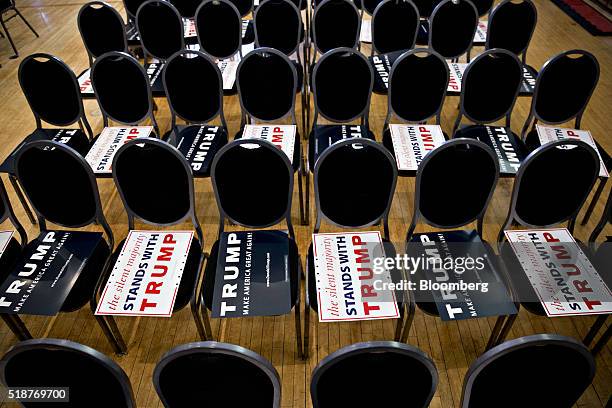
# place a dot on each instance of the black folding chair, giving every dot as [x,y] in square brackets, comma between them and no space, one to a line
[255,381]
[602,259]
[474,176]
[395,25]
[89,377]
[8,6]
[245,7]
[161,29]
[66,194]
[102,29]
[139,193]
[483,6]
[399,367]
[194,89]
[122,89]
[270,178]
[424,72]
[452,26]
[186,8]
[10,256]
[267,83]
[219,28]
[425,7]
[52,92]
[511,26]
[504,376]
[563,89]
[335,23]
[337,191]
[342,84]
[533,204]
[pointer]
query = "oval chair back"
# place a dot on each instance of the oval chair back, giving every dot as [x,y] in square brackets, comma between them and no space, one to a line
[219,28]
[337,190]
[474,175]
[489,87]
[563,88]
[342,84]
[102,29]
[131,8]
[141,169]
[511,26]
[405,367]
[452,28]
[186,8]
[194,88]
[161,29]
[88,374]
[264,197]
[266,81]
[215,363]
[278,24]
[52,91]
[501,377]
[425,73]
[64,192]
[122,89]
[335,23]
[425,7]
[244,6]
[483,6]
[368,6]
[395,25]
[546,172]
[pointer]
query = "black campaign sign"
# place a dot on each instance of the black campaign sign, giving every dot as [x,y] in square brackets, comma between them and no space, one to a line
[198,144]
[47,271]
[382,69]
[506,147]
[252,277]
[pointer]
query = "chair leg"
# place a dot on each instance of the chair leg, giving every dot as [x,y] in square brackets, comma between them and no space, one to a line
[17,326]
[22,199]
[499,323]
[306,331]
[8,35]
[207,327]
[26,22]
[588,339]
[506,329]
[589,211]
[399,326]
[307,195]
[112,333]
[602,341]
[303,220]
[298,330]
[198,322]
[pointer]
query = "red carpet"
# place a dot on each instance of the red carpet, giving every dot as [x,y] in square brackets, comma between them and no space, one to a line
[585,15]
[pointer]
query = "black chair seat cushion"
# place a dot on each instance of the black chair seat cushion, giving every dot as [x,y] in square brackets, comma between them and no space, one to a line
[84,287]
[311,144]
[296,147]
[210,272]
[312,287]
[188,280]
[388,143]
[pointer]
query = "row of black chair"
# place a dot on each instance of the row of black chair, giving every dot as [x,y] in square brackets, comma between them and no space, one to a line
[378,373]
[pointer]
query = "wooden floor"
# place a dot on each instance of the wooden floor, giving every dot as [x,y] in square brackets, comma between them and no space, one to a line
[453,346]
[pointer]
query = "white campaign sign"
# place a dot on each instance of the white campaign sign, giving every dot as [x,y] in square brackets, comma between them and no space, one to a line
[345,278]
[85,83]
[146,277]
[480,37]
[228,68]
[456,71]
[100,156]
[5,237]
[366,31]
[282,136]
[548,134]
[412,142]
[189,27]
[561,275]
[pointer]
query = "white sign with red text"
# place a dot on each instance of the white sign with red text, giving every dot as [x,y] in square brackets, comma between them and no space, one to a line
[100,156]
[281,136]
[561,275]
[550,134]
[480,36]
[85,83]
[189,27]
[345,278]
[412,142]
[146,277]
[455,74]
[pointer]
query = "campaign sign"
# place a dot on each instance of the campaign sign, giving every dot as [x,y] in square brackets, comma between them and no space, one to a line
[455,75]
[5,237]
[146,277]
[252,276]
[228,68]
[100,156]
[459,258]
[281,136]
[47,271]
[189,28]
[548,134]
[85,85]
[154,72]
[480,36]
[508,148]
[365,35]
[559,272]
[327,135]
[381,64]
[345,277]
[412,142]
[198,144]
[529,82]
